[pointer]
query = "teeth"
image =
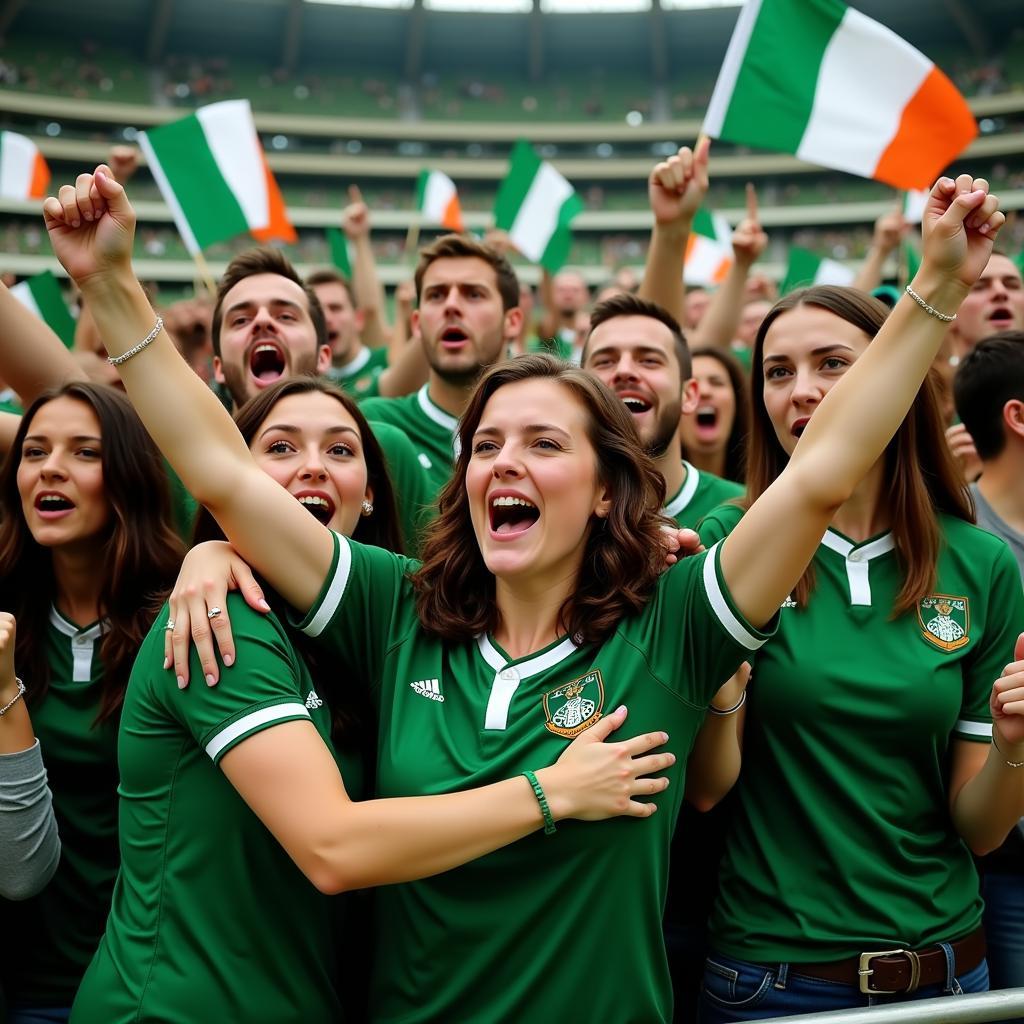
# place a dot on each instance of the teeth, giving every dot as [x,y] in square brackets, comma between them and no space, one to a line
[312,499]
[636,403]
[510,502]
[53,499]
[265,348]
[706,410]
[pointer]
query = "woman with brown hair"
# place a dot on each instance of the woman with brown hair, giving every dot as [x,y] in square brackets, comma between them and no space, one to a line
[87,553]
[868,769]
[714,436]
[539,604]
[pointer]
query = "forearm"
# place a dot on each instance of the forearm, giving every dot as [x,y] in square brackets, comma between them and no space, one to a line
[719,324]
[992,802]
[870,274]
[32,357]
[9,424]
[663,271]
[29,844]
[714,764]
[369,294]
[182,415]
[406,372]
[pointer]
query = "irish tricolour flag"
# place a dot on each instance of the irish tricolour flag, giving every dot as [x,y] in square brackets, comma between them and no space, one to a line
[806,268]
[41,295]
[213,174]
[536,205]
[821,80]
[438,201]
[23,171]
[708,249]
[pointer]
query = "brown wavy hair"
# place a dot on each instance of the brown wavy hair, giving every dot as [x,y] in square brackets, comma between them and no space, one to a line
[921,479]
[141,551]
[455,592]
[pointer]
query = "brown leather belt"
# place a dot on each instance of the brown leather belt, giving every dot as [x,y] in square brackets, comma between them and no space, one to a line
[891,971]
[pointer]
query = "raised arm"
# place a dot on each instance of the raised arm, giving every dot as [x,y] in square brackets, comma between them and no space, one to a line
[676,188]
[369,292]
[718,326]
[768,551]
[91,227]
[889,231]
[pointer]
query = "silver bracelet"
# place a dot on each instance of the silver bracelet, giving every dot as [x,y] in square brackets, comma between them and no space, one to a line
[147,340]
[1006,761]
[946,318]
[729,711]
[14,700]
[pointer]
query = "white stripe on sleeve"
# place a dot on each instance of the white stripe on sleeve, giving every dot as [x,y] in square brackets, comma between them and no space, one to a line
[981,729]
[249,722]
[734,627]
[335,592]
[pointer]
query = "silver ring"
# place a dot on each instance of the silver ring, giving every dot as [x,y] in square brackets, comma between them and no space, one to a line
[170,626]
[213,612]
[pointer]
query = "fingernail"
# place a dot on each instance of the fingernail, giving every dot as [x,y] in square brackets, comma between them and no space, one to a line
[621,707]
[209,679]
[75,223]
[181,682]
[263,604]
[229,660]
[167,662]
[664,737]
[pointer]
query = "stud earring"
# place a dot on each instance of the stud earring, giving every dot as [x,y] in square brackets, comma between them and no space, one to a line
[367,507]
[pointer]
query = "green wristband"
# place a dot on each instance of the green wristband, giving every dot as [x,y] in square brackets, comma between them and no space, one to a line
[538,792]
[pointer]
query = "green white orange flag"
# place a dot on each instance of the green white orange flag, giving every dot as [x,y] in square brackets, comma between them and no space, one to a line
[23,171]
[438,201]
[214,176]
[708,249]
[820,80]
[915,202]
[340,256]
[806,268]
[41,295]
[536,206]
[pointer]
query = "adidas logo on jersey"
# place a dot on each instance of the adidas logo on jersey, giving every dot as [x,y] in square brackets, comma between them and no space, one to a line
[313,701]
[428,688]
[789,602]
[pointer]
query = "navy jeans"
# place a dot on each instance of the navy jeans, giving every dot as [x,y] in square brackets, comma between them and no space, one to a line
[38,1015]
[735,990]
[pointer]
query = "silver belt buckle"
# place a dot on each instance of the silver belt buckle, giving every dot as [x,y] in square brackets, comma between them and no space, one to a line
[865,971]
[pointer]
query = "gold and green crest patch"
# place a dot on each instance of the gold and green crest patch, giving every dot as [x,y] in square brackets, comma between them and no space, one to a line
[945,621]
[576,706]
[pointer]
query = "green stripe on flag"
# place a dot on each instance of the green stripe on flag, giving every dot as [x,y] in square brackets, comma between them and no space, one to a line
[779,73]
[421,188]
[339,251]
[911,260]
[703,224]
[53,310]
[206,201]
[556,253]
[524,164]
[803,265]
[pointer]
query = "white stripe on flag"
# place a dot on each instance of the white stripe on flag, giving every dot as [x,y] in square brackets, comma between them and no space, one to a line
[867,76]
[24,295]
[537,218]
[231,135]
[914,205]
[17,161]
[834,272]
[437,195]
[722,96]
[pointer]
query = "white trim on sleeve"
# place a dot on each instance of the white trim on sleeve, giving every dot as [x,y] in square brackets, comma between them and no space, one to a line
[335,592]
[733,626]
[966,728]
[248,722]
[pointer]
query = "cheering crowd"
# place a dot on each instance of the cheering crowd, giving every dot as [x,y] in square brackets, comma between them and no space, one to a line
[347,667]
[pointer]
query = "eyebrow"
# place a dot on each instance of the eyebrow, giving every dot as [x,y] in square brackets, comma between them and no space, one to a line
[824,350]
[532,428]
[642,350]
[287,428]
[77,437]
[250,303]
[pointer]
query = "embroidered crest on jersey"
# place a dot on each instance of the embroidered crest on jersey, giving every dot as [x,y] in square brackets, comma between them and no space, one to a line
[945,621]
[576,706]
[363,383]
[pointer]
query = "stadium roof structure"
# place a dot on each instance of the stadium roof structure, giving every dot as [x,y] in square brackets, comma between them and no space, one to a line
[662,40]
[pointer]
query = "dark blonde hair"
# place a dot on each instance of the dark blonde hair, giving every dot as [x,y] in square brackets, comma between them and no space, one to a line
[921,478]
[623,554]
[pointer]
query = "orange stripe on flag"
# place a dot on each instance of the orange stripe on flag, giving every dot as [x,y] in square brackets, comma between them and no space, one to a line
[452,216]
[935,129]
[40,177]
[721,270]
[279,228]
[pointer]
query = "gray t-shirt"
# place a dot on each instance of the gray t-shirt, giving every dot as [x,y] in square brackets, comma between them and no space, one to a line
[988,520]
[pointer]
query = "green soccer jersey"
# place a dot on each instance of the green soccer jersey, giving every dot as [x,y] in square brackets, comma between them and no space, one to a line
[211,920]
[360,378]
[841,839]
[530,932]
[431,430]
[701,492]
[50,938]
[407,479]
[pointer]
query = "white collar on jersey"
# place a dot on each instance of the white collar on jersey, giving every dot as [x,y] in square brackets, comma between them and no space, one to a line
[435,412]
[507,677]
[858,559]
[686,492]
[353,366]
[83,642]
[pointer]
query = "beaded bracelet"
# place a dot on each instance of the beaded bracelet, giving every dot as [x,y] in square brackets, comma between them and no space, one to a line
[1006,761]
[14,700]
[946,318]
[134,351]
[538,792]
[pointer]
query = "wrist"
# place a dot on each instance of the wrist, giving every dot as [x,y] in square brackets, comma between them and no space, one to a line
[114,284]
[938,290]
[559,802]
[1004,749]
[671,231]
